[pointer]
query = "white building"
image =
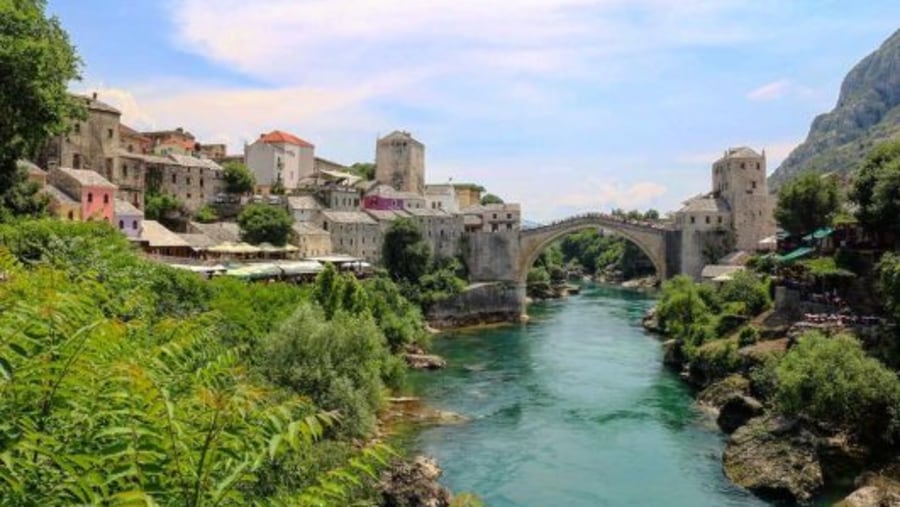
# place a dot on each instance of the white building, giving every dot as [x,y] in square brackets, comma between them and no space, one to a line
[279,156]
[441,197]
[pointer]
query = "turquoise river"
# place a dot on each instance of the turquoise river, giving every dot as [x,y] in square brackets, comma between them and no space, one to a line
[574,409]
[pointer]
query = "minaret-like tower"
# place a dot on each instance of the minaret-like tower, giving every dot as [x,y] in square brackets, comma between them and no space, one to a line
[739,177]
[400,162]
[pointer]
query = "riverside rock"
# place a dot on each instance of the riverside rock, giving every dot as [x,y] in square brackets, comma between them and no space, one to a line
[425,361]
[775,459]
[414,484]
[736,411]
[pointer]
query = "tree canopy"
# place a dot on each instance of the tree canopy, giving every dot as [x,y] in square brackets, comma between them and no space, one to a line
[807,203]
[405,254]
[491,199]
[37,62]
[876,187]
[261,223]
[238,178]
[365,170]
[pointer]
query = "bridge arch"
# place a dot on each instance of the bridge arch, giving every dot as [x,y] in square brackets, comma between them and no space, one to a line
[650,239]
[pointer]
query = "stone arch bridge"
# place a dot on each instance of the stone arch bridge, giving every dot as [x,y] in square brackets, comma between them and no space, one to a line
[659,243]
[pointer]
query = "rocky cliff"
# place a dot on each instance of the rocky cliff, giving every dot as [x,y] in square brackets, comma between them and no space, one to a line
[867,112]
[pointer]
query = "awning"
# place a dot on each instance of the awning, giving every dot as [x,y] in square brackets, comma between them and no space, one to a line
[300,268]
[796,254]
[255,271]
[824,232]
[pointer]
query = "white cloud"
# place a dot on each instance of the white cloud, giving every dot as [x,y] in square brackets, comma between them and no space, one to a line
[771,91]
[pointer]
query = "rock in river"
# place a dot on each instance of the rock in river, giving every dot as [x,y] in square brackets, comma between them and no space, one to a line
[736,411]
[414,484]
[775,459]
[425,361]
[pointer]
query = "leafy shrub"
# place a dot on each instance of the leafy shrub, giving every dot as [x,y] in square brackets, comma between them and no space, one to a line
[749,335]
[744,287]
[834,381]
[718,358]
[206,214]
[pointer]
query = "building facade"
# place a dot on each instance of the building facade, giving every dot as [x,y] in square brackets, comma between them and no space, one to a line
[400,162]
[493,218]
[93,192]
[443,231]
[353,233]
[128,219]
[90,144]
[467,195]
[279,157]
[739,178]
[310,239]
[441,197]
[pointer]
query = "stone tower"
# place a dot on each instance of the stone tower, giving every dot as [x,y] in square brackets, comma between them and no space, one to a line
[400,162]
[739,178]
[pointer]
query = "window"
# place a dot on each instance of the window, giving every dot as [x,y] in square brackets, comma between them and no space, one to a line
[188,180]
[692,219]
[124,171]
[71,215]
[109,133]
[754,185]
[201,182]
[757,166]
[109,166]
[77,128]
[509,216]
[76,161]
[720,220]
[494,228]
[707,219]
[105,198]
[130,148]
[134,224]
[188,195]
[121,224]
[743,165]
[90,197]
[495,216]
[174,179]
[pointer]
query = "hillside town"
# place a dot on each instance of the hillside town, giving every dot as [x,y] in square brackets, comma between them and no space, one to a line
[104,170]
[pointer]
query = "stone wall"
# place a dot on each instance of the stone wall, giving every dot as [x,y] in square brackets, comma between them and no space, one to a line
[484,303]
[491,256]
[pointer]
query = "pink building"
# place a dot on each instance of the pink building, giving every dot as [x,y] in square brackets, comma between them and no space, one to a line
[94,192]
[383,197]
[380,202]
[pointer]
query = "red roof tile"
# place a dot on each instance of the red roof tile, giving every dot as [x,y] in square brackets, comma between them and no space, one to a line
[277,136]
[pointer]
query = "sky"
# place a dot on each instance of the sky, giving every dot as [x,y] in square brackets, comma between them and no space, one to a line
[565,106]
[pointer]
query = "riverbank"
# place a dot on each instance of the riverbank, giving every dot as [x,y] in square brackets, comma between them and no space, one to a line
[782,456]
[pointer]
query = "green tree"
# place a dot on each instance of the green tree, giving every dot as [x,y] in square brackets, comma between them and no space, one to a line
[405,254]
[747,289]
[876,186]
[491,199]
[206,215]
[278,187]
[238,178]
[263,223]
[831,379]
[807,203]
[37,62]
[365,170]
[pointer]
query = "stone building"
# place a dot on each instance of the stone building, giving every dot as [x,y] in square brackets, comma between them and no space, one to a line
[467,194]
[167,142]
[193,181]
[310,239]
[736,215]
[322,164]
[400,162]
[442,197]
[492,218]
[353,233]
[279,156]
[94,193]
[739,178]
[90,144]
[443,231]
[304,208]
[132,141]
[217,151]
[339,196]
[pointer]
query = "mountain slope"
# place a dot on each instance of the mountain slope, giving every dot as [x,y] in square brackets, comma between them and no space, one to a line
[867,112]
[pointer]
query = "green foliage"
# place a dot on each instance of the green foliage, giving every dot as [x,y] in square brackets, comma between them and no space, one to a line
[252,310]
[365,170]
[763,264]
[399,319]
[491,199]
[807,203]
[277,187]
[826,267]
[206,215]
[748,336]
[261,223]
[876,186]
[165,208]
[238,178]
[745,287]
[888,285]
[597,252]
[340,363]
[37,62]
[440,283]
[833,380]
[405,254]
[681,307]
[466,500]
[719,357]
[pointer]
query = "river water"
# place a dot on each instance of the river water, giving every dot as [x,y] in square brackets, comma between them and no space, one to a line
[574,409]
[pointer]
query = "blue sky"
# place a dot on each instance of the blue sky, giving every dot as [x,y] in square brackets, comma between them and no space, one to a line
[562,105]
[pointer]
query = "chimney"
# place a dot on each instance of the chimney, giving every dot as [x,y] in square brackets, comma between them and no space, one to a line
[94,95]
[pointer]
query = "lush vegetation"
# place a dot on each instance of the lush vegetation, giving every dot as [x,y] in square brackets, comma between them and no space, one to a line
[365,170]
[407,259]
[491,199]
[37,62]
[124,382]
[876,186]
[238,178]
[206,215]
[262,223]
[164,208]
[807,202]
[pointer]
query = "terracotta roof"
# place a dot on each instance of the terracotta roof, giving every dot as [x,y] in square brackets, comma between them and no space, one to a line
[279,137]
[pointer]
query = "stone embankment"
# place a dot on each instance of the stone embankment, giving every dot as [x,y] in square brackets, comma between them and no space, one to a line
[480,304]
[414,483]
